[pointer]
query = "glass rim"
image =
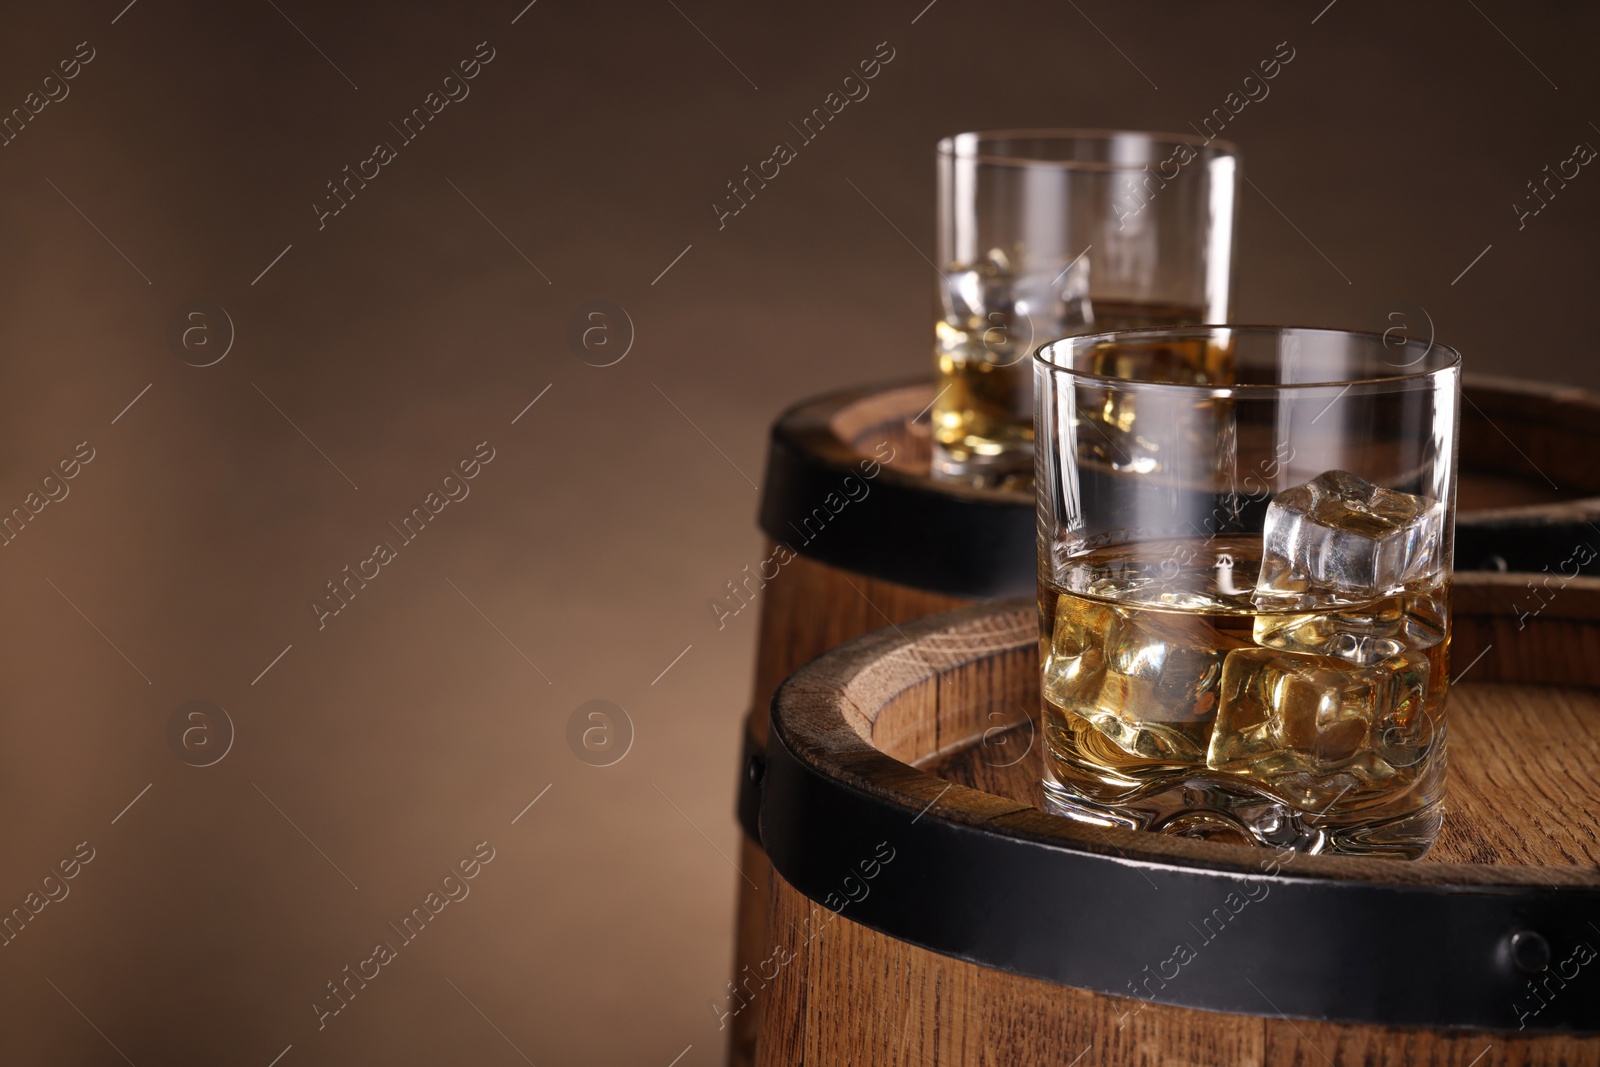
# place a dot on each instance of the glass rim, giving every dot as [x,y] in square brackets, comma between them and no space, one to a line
[951,147]
[1042,356]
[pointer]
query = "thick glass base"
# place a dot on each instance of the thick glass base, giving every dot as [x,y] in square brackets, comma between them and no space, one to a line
[1225,811]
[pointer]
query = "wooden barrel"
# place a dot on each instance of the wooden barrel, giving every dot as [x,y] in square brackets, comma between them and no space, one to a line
[860,538]
[925,910]
[1529,485]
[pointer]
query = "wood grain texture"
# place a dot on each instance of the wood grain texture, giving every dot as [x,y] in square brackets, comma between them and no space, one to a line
[1523,786]
[1552,428]
[806,610]
[853,996]
[751,944]
[811,607]
[962,666]
[905,713]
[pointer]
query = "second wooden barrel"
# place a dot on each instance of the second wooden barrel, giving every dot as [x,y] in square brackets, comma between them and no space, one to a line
[859,537]
[924,910]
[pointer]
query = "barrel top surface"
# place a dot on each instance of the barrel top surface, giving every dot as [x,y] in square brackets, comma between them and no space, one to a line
[1499,478]
[849,425]
[848,484]
[1524,764]
[919,742]
[1511,748]
[1523,801]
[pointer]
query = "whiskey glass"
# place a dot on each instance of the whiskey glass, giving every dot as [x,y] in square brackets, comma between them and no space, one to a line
[1245,546]
[1045,233]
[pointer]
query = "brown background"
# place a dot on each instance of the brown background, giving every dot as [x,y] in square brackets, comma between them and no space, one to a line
[409,329]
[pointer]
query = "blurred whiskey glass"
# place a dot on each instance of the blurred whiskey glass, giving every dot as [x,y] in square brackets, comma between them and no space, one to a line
[1047,233]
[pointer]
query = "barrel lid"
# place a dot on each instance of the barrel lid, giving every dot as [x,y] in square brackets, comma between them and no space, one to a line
[847,484]
[985,877]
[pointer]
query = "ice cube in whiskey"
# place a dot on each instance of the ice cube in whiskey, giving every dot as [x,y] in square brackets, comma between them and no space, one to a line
[992,315]
[1317,729]
[1176,698]
[1363,634]
[1132,663]
[1339,536]
[1145,678]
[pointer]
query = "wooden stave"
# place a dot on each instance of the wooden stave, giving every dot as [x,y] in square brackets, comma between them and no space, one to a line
[1552,901]
[792,633]
[827,970]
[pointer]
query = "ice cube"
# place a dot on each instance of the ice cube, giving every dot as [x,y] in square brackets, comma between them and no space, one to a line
[1075,661]
[1163,666]
[1003,307]
[1365,634]
[1147,680]
[1055,303]
[1314,727]
[1339,537]
[974,293]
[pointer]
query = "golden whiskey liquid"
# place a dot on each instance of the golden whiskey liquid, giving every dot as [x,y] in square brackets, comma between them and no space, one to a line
[1174,702]
[983,417]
